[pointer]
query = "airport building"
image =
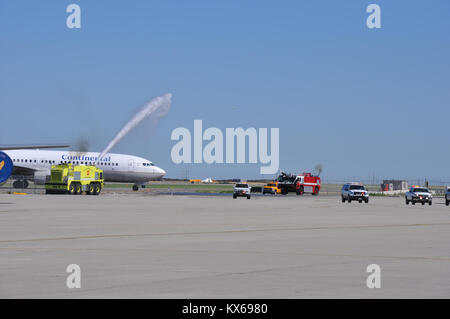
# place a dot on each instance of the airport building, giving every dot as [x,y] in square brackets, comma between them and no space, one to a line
[394,185]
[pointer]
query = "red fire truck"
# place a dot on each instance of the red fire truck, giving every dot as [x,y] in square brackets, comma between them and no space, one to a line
[307,183]
[302,183]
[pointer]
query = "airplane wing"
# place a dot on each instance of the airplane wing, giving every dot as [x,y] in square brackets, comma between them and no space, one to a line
[8,147]
[23,171]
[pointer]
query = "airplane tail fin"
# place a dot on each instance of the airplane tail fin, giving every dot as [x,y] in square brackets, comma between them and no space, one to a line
[6,167]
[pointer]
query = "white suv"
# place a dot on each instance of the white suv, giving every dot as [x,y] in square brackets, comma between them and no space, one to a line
[354,191]
[418,195]
[241,190]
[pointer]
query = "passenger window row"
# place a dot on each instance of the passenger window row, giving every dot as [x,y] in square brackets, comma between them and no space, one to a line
[32,161]
[16,160]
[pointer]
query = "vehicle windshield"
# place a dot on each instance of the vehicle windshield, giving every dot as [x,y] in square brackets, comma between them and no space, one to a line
[357,187]
[241,186]
[420,190]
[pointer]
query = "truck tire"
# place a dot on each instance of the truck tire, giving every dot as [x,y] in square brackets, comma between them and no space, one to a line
[367,200]
[343,199]
[406,201]
[72,189]
[447,202]
[78,189]
[316,191]
[91,189]
[300,190]
[234,196]
[430,203]
[349,200]
[248,196]
[360,200]
[97,189]
[413,202]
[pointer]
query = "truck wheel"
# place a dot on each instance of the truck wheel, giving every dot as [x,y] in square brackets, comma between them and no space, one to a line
[234,196]
[430,203]
[349,200]
[447,202]
[248,196]
[316,191]
[135,187]
[72,189]
[97,189]
[367,200]
[423,203]
[90,189]
[343,199]
[360,200]
[78,189]
[413,202]
[406,201]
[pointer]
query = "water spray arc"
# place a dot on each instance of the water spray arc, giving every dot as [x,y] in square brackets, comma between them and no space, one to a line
[157,108]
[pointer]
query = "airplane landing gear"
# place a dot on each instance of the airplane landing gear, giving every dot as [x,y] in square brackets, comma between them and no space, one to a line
[135,187]
[20,184]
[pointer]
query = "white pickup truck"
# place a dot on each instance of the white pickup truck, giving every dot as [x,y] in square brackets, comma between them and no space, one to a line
[418,195]
[241,190]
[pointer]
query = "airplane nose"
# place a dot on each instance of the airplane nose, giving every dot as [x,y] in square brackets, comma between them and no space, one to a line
[160,171]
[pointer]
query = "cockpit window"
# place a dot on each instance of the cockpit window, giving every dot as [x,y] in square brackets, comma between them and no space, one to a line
[148,164]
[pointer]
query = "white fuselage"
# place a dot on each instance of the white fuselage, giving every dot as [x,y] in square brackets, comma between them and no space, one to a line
[116,167]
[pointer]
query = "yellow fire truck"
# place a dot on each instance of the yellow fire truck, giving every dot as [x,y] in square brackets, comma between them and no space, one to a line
[74,179]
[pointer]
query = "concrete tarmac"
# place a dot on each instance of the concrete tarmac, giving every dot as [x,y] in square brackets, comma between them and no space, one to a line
[162,246]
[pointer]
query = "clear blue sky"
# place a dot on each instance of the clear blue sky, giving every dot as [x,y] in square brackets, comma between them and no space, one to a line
[361,102]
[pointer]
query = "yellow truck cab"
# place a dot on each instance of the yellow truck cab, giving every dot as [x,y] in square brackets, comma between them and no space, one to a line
[74,179]
[271,188]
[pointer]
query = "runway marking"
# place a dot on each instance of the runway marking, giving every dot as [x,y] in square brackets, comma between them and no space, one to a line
[219,232]
[436,258]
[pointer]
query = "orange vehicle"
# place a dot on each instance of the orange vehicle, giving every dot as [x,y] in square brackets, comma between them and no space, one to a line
[271,188]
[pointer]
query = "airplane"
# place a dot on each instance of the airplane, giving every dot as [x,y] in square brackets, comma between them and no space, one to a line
[31,162]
